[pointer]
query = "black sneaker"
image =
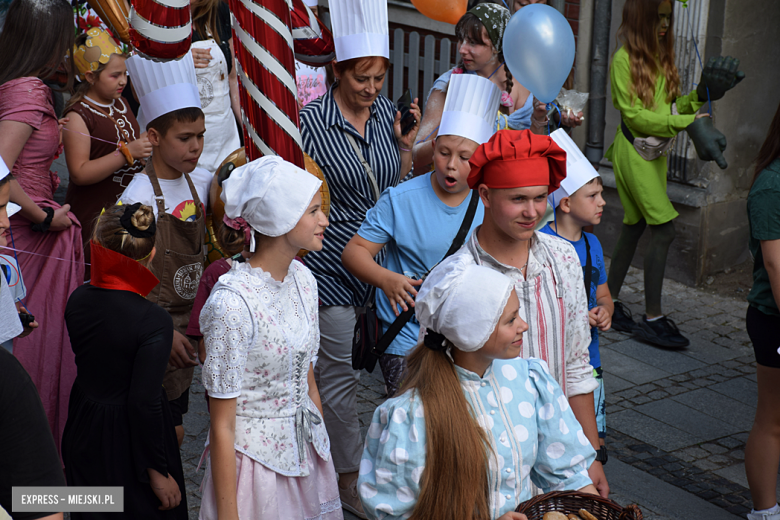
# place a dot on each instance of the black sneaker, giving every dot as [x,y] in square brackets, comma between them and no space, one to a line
[662,332]
[622,320]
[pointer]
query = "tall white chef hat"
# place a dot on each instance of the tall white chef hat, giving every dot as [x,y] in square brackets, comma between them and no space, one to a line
[311,3]
[579,170]
[470,108]
[163,87]
[270,193]
[360,28]
[463,302]
[11,208]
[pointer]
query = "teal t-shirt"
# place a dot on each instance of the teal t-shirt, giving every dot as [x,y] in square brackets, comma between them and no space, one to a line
[764,219]
[418,229]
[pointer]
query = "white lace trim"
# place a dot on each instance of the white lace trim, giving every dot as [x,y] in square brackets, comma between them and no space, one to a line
[325,508]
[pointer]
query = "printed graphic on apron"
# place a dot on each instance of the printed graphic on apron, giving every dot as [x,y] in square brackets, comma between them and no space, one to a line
[185,281]
[205,91]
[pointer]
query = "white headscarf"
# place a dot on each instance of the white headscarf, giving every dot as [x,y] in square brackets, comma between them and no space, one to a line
[270,193]
[463,302]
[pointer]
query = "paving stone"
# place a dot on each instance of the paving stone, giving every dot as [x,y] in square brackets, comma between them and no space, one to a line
[650,430]
[675,390]
[707,352]
[720,459]
[657,394]
[730,442]
[628,368]
[707,494]
[706,464]
[713,448]
[669,361]
[718,406]
[645,389]
[680,377]
[692,453]
[641,399]
[737,454]
[629,394]
[687,419]
[614,383]
[740,389]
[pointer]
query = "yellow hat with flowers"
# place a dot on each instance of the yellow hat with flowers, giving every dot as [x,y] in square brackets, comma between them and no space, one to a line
[95,51]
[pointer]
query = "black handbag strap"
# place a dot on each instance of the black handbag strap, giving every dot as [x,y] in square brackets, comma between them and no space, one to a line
[626,131]
[588,268]
[395,328]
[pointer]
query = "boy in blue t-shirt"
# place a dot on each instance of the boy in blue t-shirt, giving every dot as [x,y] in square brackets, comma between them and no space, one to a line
[418,220]
[583,207]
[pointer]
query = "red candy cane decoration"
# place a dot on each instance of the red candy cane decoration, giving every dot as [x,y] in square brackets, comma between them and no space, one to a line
[265,63]
[161,29]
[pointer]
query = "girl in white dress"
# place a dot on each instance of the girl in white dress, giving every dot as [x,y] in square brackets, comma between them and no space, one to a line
[269,450]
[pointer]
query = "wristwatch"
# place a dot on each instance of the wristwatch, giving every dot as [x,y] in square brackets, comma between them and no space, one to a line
[601,455]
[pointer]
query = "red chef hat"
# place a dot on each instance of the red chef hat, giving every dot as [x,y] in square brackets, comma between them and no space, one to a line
[516,159]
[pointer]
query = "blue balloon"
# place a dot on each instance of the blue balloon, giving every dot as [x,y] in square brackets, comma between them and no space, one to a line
[539,50]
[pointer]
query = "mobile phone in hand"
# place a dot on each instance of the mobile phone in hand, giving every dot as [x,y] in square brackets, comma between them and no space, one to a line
[404,105]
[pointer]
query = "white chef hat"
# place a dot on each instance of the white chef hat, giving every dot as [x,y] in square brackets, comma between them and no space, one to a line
[463,302]
[579,170]
[270,193]
[360,28]
[470,108]
[163,87]
[11,208]
[311,3]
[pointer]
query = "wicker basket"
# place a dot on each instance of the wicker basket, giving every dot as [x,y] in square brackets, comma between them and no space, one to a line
[572,501]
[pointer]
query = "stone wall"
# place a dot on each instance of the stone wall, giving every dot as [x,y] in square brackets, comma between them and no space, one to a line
[712,229]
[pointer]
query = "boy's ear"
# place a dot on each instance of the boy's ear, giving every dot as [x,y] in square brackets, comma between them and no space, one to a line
[154,137]
[565,204]
[484,194]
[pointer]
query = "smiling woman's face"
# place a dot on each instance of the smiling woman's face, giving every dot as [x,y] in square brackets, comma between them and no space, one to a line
[360,85]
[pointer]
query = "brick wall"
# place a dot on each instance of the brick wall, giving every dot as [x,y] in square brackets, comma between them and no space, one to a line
[572,13]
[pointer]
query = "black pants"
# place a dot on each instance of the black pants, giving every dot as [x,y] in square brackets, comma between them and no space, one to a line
[764,332]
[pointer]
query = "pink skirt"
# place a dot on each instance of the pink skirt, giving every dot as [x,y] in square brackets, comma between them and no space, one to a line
[264,494]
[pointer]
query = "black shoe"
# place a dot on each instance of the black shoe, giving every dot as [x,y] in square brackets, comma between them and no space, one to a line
[661,332]
[622,320]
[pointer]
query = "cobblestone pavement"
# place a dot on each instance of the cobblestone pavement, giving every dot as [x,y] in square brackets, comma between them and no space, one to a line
[680,417]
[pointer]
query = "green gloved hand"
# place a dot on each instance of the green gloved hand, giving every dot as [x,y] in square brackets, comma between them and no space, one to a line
[718,76]
[708,141]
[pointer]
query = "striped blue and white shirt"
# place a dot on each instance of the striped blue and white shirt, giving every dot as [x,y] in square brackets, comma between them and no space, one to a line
[351,196]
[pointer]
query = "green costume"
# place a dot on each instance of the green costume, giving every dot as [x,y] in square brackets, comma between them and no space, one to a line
[641,184]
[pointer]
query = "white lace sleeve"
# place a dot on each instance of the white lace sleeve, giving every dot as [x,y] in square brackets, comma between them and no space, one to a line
[228,333]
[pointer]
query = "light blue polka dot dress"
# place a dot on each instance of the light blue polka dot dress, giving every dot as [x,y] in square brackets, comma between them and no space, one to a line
[534,437]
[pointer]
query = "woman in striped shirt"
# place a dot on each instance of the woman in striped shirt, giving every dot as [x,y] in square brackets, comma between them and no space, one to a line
[354,135]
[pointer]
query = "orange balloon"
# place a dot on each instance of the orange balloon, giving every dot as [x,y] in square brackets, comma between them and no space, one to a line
[114,14]
[448,11]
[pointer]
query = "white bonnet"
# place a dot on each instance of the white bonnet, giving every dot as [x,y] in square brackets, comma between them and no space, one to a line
[463,302]
[270,193]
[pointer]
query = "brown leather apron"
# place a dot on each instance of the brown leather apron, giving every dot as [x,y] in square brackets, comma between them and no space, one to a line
[178,267]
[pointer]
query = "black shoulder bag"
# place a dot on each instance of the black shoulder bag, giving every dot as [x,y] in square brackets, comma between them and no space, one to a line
[369,343]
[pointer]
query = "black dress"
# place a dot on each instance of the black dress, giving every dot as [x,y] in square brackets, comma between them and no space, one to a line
[119,423]
[28,455]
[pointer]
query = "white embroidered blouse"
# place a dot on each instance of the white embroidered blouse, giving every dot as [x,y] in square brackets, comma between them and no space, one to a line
[260,336]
